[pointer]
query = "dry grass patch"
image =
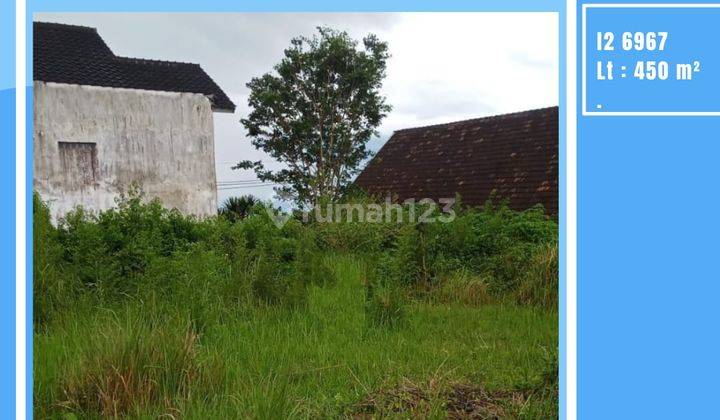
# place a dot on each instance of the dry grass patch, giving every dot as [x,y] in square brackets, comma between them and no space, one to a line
[432,400]
[134,367]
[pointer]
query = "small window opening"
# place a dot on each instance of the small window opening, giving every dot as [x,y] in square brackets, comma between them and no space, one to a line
[79,163]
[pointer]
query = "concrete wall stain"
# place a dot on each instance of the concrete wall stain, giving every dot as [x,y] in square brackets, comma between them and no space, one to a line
[91,143]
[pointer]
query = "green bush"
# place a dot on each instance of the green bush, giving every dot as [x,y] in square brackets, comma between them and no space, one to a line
[279,265]
[110,251]
[88,253]
[496,244]
[54,288]
[141,249]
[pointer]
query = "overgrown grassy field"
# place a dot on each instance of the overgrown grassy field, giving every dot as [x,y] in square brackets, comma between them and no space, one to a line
[144,313]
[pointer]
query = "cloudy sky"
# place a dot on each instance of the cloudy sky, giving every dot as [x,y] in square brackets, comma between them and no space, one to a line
[444,67]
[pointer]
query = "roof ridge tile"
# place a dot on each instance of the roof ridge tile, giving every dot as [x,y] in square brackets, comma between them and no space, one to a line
[78,55]
[489,117]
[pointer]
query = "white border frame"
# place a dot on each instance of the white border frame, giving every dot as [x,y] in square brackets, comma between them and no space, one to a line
[20,213]
[585,112]
[570,208]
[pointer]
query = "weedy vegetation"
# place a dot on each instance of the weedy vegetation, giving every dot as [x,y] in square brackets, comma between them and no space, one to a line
[142,312]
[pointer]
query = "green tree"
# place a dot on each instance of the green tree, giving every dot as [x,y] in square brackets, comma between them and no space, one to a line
[316,112]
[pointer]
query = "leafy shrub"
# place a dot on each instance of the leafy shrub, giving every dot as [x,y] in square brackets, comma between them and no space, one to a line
[506,269]
[110,252]
[53,287]
[142,249]
[88,254]
[497,244]
[349,236]
[283,272]
[408,262]
[278,274]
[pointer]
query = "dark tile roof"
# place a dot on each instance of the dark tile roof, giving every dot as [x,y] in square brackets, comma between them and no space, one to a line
[78,55]
[514,156]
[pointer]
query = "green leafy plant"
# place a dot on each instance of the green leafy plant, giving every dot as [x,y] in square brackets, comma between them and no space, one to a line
[238,208]
[316,113]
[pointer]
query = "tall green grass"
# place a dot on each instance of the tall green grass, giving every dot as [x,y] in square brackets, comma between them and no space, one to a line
[141,312]
[273,362]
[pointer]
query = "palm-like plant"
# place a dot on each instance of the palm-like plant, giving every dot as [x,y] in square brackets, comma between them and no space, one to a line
[237,208]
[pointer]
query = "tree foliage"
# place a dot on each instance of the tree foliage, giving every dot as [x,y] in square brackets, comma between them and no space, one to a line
[316,112]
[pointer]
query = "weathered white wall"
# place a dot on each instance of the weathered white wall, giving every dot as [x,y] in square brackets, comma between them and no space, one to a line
[163,141]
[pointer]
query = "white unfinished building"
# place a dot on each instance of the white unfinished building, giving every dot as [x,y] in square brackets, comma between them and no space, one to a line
[103,123]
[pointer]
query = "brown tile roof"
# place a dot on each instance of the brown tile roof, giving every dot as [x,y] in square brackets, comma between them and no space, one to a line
[78,55]
[514,156]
